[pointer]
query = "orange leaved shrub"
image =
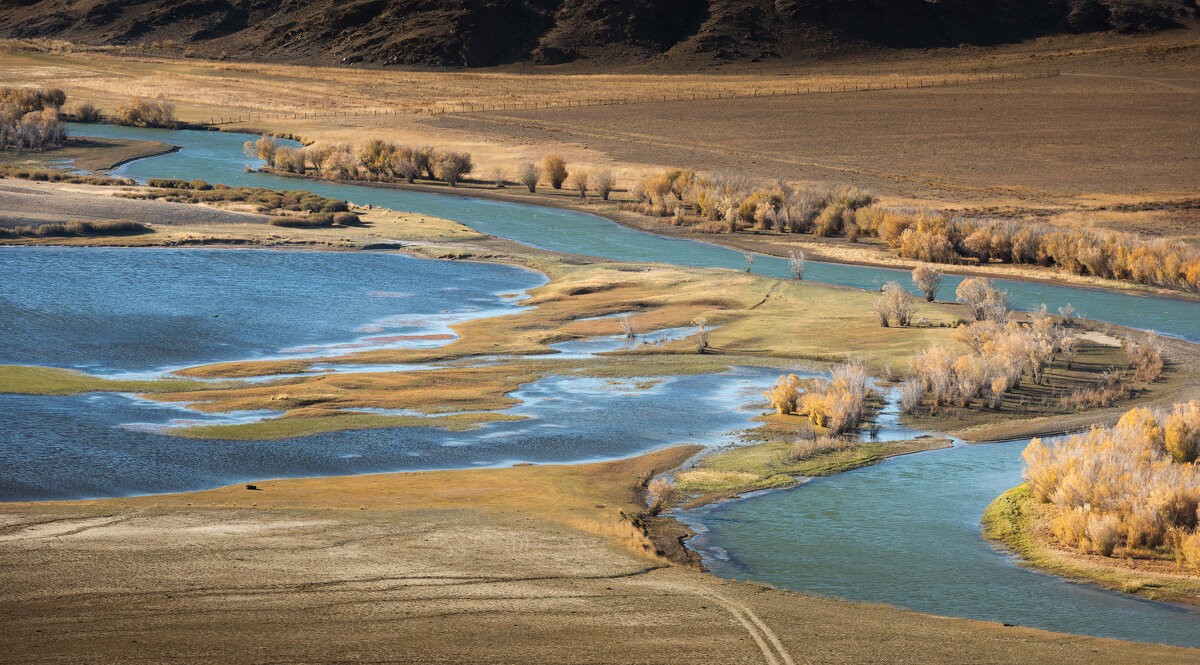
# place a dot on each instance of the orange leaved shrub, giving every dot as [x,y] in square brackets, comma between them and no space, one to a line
[1126,490]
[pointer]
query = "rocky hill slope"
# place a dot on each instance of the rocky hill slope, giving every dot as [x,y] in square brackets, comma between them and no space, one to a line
[478,33]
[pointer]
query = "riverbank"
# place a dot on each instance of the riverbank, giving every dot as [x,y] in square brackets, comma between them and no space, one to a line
[866,252]
[535,564]
[1017,521]
[88,154]
[730,473]
[754,311]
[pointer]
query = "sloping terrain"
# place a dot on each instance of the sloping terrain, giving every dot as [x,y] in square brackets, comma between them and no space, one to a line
[480,33]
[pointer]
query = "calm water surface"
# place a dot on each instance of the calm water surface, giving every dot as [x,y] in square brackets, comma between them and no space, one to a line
[131,312]
[906,532]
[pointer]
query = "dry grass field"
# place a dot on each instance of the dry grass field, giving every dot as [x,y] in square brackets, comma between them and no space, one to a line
[1117,125]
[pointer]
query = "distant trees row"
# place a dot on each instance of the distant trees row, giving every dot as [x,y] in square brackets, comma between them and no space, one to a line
[942,239]
[376,160]
[30,119]
[732,203]
[1133,490]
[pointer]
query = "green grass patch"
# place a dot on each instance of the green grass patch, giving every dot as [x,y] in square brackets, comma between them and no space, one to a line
[284,428]
[30,380]
[768,465]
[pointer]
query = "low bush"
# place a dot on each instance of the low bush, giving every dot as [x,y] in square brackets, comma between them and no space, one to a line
[264,200]
[1109,390]
[346,219]
[809,448]
[83,111]
[555,170]
[78,228]
[48,175]
[1145,360]
[145,113]
[310,221]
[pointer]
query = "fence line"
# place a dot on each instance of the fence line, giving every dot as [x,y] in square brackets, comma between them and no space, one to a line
[790,91]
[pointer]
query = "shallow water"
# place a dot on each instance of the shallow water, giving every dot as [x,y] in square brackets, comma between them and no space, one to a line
[136,312]
[217,157]
[108,444]
[124,311]
[906,532]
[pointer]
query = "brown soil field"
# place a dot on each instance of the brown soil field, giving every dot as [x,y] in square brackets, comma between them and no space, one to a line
[521,565]
[1116,126]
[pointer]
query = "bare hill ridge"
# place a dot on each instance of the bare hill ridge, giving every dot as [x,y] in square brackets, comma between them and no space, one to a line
[479,33]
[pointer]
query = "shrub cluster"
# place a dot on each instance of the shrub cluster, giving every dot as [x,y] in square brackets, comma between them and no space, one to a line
[78,228]
[1134,487]
[1110,389]
[145,113]
[310,221]
[732,203]
[264,200]
[837,404]
[1145,359]
[374,160]
[1001,354]
[894,305]
[30,119]
[50,175]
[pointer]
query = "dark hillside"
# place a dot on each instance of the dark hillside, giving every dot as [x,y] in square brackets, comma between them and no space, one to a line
[478,33]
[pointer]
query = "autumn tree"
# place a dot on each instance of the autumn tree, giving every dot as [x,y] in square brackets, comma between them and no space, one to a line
[927,279]
[555,170]
[579,182]
[604,183]
[528,174]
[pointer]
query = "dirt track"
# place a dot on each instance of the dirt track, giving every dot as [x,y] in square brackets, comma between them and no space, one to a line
[33,203]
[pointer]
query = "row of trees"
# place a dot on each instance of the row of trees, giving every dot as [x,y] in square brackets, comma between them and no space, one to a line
[731,203]
[1134,487]
[376,160]
[837,404]
[1111,255]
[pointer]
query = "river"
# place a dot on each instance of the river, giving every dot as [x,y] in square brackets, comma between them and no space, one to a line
[904,532]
